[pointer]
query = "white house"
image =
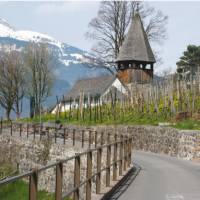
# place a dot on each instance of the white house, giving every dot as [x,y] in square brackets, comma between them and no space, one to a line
[92,90]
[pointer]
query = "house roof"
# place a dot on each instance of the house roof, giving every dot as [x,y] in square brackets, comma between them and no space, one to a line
[136,46]
[91,86]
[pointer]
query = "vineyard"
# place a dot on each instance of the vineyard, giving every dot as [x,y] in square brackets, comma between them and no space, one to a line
[168,100]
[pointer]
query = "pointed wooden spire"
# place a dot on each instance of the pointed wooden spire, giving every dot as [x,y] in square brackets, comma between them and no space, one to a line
[136,46]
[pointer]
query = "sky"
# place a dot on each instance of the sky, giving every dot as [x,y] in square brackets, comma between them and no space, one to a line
[68,22]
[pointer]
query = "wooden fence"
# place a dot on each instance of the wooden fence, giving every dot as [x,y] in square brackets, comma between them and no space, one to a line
[84,136]
[120,151]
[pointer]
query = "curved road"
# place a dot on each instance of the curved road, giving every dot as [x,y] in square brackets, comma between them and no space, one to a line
[163,178]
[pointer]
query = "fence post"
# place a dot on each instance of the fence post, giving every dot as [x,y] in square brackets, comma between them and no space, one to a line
[76,177]
[102,137]
[130,151]
[125,153]
[27,130]
[48,136]
[83,133]
[41,131]
[55,134]
[95,138]
[20,130]
[33,186]
[90,138]
[108,138]
[98,177]
[11,127]
[132,140]
[115,160]
[67,133]
[88,176]
[74,137]
[1,129]
[34,130]
[121,155]
[59,176]
[64,135]
[108,166]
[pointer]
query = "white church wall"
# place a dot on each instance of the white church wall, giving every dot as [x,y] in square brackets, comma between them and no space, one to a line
[116,83]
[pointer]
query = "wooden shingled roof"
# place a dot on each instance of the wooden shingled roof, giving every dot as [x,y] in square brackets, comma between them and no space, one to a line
[136,46]
[91,86]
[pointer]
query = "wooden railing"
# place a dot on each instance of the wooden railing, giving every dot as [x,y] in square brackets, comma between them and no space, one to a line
[84,136]
[120,151]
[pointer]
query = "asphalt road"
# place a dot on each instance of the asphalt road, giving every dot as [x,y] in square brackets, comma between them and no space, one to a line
[162,178]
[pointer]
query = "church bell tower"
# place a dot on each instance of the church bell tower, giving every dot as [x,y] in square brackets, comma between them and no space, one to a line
[135,60]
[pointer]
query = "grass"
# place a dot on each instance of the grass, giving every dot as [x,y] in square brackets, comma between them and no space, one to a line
[189,124]
[19,190]
[130,116]
[140,119]
[6,169]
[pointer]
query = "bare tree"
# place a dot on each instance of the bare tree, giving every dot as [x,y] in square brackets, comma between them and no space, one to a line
[19,82]
[39,65]
[109,28]
[11,82]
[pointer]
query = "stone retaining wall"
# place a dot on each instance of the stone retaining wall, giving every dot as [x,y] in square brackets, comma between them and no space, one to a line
[30,154]
[183,144]
[179,143]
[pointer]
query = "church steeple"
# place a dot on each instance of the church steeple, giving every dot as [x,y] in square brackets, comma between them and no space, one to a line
[135,60]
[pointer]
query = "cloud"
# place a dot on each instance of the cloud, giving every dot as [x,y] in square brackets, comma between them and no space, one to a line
[50,8]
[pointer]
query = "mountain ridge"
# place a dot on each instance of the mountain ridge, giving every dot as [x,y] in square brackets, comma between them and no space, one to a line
[72,63]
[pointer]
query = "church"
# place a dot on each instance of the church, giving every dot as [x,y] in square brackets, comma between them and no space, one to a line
[135,63]
[135,60]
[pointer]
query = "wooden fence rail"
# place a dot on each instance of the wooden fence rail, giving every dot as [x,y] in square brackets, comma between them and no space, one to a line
[120,151]
[62,133]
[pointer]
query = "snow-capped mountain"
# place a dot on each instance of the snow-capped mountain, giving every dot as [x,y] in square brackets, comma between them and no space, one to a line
[72,61]
[7,30]
[68,56]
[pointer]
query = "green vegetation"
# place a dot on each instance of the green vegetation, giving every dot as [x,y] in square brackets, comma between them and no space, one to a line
[6,169]
[130,116]
[189,62]
[104,116]
[19,190]
[137,111]
[189,124]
